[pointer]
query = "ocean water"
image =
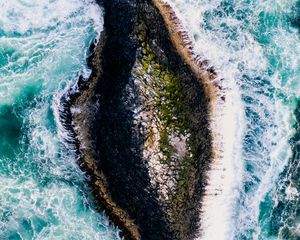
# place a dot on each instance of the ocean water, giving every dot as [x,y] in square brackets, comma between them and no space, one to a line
[43,48]
[255,47]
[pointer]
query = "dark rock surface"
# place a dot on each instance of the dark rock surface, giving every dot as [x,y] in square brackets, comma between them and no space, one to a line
[118,146]
[113,153]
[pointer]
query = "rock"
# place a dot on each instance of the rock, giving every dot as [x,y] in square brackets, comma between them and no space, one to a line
[137,92]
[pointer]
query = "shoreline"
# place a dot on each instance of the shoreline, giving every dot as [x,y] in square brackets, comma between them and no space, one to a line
[221,183]
[81,107]
[198,64]
[219,176]
[83,110]
[185,48]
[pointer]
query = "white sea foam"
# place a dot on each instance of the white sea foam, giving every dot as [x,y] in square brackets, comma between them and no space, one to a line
[53,40]
[227,131]
[22,16]
[50,212]
[43,49]
[232,49]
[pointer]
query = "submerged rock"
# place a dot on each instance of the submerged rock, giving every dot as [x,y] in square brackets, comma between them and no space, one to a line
[142,126]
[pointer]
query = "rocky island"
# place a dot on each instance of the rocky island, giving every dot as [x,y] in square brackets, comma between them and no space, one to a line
[141,122]
[149,119]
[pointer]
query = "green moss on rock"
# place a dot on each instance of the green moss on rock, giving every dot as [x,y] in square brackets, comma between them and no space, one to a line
[169,106]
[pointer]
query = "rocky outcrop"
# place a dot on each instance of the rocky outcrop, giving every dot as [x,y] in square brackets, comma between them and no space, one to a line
[142,124]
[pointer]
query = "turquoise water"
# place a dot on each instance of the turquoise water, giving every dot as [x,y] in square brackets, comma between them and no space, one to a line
[43,47]
[255,47]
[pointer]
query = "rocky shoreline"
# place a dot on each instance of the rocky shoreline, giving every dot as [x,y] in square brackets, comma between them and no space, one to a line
[141,122]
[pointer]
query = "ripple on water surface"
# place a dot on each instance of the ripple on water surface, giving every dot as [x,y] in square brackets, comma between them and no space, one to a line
[43,46]
[254,46]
